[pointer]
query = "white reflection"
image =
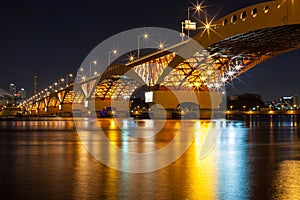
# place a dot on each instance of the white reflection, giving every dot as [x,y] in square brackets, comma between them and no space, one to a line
[232,159]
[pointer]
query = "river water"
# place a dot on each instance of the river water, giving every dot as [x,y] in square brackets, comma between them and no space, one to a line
[255,157]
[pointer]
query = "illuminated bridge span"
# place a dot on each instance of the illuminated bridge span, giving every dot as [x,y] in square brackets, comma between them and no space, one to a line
[232,45]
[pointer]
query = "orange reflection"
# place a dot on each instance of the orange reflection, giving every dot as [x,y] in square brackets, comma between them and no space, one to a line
[203,173]
[288,184]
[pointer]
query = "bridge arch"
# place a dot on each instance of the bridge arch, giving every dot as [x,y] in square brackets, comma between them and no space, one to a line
[247,37]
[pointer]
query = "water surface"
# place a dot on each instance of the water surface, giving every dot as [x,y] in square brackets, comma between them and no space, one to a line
[255,157]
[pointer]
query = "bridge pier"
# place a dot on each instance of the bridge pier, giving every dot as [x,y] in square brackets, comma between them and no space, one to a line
[170,99]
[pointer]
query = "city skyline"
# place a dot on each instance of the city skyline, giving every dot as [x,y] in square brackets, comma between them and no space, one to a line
[51,40]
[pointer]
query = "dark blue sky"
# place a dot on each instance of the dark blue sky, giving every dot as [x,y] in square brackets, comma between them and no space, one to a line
[51,39]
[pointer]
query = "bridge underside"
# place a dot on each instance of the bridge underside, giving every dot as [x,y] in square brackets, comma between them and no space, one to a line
[250,49]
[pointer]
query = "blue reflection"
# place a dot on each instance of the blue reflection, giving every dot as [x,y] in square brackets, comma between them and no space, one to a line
[232,162]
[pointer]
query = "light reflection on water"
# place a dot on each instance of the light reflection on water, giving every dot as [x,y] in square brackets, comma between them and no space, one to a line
[254,158]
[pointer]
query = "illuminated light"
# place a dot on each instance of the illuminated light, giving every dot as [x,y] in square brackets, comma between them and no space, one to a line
[208,27]
[114,51]
[71,75]
[198,7]
[278,6]
[243,15]
[209,72]
[230,73]
[197,84]
[95,73]
[83,77]
[62,80]
[266,9]
[95,62]
[254,12]
[238,67]
[161,45]
[131,58]
[81,69]
[224,79]
[55,83]
[203,78]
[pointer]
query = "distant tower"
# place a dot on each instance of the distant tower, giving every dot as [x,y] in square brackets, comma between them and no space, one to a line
[34,84]
[12,89]
[22,93]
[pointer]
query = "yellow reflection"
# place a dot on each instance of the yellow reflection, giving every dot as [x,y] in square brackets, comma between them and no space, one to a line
[204,141]
[204,172]
[288,184]
[81,170]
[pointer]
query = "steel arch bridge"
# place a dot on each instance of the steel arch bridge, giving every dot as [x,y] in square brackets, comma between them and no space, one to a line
[231,45]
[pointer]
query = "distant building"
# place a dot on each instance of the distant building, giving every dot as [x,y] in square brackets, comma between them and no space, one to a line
[16,97]
[20,96]
[5,98]
[12,89]
[289,102]
[245,102]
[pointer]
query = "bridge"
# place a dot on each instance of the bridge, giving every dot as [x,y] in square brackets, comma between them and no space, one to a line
[230,46]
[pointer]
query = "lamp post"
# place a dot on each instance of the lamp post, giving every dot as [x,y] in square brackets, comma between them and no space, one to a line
[62,83]
[67,79]
[189,8]
[95,63]
[188,24]
[114,52]
[145,36]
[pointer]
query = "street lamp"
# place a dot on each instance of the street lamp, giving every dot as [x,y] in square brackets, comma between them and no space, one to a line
[161,45]
[188,24]
[114,52]
[144,36]
[67,79]
[95,63]
[131,58]
[197,8]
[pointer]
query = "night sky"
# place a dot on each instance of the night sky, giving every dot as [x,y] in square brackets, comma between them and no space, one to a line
[51,38]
